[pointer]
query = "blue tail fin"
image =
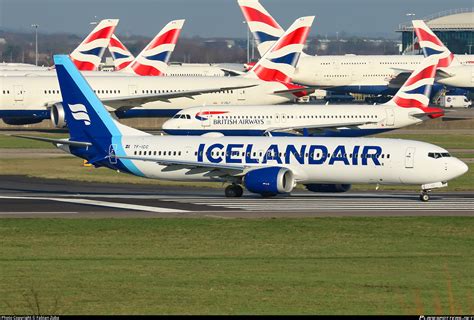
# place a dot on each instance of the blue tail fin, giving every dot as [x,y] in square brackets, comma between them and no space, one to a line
[88,120]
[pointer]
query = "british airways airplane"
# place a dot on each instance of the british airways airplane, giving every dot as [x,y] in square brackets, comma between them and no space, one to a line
[263,165]
[87,56]
[366,74]
[408,107]
[123,58]
[30,99]
[451,71]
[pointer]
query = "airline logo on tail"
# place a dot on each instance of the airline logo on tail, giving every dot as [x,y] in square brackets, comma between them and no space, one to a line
[152,61]
[279,63]
[416,91]
[264,28]
[79,112]
[88,54]
[431,44]
[122,57]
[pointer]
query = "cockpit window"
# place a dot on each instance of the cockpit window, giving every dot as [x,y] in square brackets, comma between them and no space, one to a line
[437,155]
[176,116]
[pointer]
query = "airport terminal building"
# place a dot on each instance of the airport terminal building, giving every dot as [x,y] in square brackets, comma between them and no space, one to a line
[455,28]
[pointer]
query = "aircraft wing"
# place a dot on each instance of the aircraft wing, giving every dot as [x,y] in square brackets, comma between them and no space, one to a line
[194,167]
[400,78]
[56,141]
[307,90]
[442,74]
[128,102]
[321,127]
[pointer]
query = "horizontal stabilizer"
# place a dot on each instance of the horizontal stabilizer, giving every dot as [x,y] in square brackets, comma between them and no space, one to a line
[56,141]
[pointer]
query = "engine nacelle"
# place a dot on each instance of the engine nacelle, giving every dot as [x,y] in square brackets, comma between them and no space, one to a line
[270,181]
[21,121]
[58,116]
[334,188]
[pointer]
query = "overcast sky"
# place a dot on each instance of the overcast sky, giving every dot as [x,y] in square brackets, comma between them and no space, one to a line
[217,18]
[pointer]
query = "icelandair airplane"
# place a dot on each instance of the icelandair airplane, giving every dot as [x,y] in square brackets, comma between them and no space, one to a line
[367,74]
[409,106]
[123,58]
[31,99]
[451,71]
[86,56]
[264,165]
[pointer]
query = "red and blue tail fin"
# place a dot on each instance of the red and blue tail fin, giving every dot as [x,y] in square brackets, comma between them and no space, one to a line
[416,91]
[431,45]
[153,60]
[88,54]
[120,54]
[264,28]
[279,62]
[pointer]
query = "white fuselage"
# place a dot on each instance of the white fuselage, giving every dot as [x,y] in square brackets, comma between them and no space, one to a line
[365,74]
[30,94]
[311,160]
[462,76]
[256,120]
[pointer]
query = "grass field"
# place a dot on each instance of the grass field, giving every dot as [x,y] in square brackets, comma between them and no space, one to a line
[421,265]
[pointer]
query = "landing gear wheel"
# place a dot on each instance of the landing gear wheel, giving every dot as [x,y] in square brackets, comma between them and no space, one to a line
[234,191]
[425,197]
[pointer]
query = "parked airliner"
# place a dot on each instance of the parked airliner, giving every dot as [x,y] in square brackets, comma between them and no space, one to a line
[451,71]
[87,55]
[264,165]
[123,57]
[408,107]
[368,74]
[33,98]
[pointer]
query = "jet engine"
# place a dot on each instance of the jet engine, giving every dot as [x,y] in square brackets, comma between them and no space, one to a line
[58,117]
[270,181]
[333,188]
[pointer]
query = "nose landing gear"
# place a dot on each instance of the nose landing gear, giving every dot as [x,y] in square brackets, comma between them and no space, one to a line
[424,196]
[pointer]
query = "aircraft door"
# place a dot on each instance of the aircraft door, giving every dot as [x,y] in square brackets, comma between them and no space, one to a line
[18,93]
[241,95]
[410,158]
[132,89]
[390,120]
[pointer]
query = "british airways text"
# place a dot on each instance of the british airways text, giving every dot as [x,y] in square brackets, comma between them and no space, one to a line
[304,154]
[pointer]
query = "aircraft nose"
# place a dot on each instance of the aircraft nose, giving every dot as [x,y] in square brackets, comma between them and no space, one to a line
[166,125]
[459,168]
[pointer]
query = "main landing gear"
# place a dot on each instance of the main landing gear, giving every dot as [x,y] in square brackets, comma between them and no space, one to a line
[234,191]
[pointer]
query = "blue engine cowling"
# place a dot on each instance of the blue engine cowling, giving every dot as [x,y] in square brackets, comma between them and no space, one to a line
[270,181]
[328,187]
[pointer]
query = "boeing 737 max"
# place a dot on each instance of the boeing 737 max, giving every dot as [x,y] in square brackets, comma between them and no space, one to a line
[264,165]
